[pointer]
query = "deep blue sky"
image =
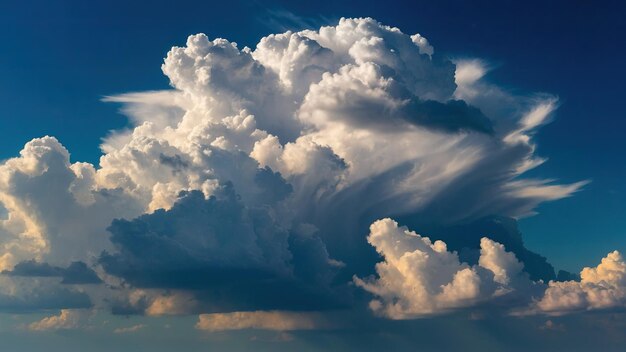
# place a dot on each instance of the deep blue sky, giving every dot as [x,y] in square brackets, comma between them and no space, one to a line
[58,59]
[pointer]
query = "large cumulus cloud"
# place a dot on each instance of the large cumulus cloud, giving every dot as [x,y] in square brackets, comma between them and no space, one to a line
[230,256]
[250,185]
[55,210]
[418,277]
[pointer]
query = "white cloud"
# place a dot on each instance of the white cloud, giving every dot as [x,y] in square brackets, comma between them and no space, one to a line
[550,325]
[600,287]
[67,319]
[419,277]
[347,91]
[261,320]
[504,265]
[359,118]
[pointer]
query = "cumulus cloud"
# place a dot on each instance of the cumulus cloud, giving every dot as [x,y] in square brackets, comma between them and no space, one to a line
[366,97]
[67,319]
[216,246]
[419,277]
[246,186]
[32,294]
[55,212]
[261,320]
[600,287]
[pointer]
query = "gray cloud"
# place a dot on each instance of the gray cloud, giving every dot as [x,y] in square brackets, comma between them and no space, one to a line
[76,273]
[465,239]
[44,298]
[229,254]
[452,116]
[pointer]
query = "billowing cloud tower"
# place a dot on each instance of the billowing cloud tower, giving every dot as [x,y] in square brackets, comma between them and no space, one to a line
[251,184]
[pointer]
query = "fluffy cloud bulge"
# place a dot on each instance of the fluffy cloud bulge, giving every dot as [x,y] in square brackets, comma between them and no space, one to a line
[245,192]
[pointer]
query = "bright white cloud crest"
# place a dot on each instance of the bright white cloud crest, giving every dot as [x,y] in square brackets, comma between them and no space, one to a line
[601,287]
[67,319]
[419,277]
[358,119]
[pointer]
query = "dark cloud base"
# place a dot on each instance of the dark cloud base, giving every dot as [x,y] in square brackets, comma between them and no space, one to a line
[271,269]
[76,273]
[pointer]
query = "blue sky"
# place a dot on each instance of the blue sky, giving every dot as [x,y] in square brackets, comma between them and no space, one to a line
[58,60]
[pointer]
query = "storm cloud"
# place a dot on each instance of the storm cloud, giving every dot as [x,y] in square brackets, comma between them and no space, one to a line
[247,191]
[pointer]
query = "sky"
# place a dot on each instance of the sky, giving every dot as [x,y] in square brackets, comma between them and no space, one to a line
[312,166]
